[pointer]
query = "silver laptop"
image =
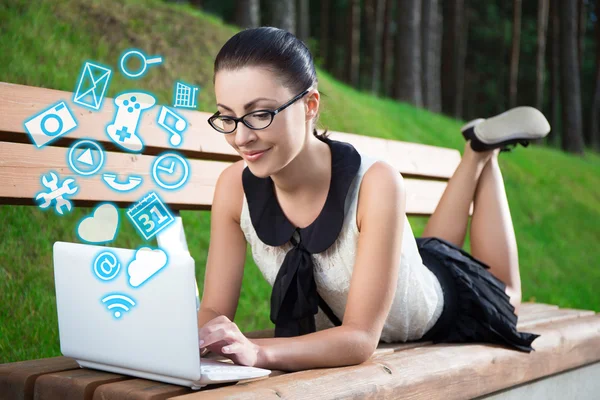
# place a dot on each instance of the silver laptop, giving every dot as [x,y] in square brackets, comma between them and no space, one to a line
[120,311]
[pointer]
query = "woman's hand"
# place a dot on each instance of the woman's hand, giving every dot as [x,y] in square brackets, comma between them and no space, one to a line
[223,337]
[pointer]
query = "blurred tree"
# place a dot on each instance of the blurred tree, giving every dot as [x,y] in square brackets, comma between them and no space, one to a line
[431,51]
[284,14]
[373,34]
[582,19]
[594,124]
[514,53]
[555,91]
[540,65]
[572,138]
[247,13]
[303,22]
[197,3]
[387,48]
[408,66]
[453,57]
[353,52]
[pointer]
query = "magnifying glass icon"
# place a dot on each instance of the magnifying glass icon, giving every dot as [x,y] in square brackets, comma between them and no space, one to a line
[145,61]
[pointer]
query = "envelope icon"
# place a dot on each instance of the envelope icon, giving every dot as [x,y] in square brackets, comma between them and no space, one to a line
[92,85]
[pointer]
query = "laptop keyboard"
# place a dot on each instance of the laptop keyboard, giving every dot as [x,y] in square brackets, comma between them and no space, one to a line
[212,366]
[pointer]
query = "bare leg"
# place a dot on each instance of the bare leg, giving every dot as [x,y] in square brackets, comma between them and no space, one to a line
[492,234]
[478,179]
[450,218]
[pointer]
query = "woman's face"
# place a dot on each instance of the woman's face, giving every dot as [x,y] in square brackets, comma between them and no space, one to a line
[249,89]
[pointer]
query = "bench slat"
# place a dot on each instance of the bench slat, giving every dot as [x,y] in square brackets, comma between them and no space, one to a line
[74,384]
[551,316]
[20,102]
[22,165]
[442,371]
[17,379]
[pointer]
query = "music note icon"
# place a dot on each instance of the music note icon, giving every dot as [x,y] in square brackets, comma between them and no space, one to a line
[172,123]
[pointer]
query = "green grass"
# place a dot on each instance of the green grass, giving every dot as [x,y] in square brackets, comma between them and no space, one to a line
[554,197]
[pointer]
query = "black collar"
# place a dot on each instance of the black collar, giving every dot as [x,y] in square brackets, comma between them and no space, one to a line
[294,298]
[271,224]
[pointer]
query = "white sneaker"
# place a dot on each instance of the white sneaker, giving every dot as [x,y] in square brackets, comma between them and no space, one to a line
[516,126]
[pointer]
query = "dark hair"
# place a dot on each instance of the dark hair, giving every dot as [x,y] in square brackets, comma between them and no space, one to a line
[275,49]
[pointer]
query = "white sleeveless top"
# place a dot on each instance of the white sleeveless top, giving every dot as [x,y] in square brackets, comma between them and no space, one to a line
[418,301]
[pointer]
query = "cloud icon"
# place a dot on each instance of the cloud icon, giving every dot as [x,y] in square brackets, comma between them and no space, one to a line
[145,264]
[101,227]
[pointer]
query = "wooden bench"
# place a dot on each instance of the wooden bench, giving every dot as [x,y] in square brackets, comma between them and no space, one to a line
[567,356]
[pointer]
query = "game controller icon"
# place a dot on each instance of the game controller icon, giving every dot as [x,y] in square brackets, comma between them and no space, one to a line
[130,106]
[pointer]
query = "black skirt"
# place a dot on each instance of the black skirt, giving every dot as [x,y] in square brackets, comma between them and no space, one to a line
[476,307]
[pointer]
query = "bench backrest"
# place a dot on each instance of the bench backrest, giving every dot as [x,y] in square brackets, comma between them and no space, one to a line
[22,164]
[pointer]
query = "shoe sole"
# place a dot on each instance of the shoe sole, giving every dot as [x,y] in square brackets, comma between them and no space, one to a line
[524,123]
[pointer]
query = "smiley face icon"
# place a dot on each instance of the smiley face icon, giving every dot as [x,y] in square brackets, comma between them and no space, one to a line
[170,171]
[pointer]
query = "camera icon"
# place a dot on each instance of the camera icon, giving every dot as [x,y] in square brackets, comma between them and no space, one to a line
[50,124]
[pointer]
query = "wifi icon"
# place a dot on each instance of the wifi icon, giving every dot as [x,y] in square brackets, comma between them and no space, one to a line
[119,303]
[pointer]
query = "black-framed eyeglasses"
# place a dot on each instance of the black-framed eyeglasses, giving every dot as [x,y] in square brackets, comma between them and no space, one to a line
[257,120]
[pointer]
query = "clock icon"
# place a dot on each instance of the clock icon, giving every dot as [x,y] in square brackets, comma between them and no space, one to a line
[170,171]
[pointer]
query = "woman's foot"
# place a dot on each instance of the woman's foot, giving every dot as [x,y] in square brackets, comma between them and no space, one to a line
[516,126]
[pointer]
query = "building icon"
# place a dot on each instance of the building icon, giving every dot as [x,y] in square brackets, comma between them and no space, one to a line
[185,95]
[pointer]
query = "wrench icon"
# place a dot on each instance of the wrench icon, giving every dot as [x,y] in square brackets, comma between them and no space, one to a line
[56,193]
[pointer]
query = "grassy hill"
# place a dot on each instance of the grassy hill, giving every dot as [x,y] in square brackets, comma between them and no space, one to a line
[554,197]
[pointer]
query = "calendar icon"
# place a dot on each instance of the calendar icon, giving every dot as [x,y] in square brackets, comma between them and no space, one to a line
[150,215]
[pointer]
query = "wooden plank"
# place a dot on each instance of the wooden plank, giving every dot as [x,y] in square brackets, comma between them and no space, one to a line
[411,159]
[22,165]
[19,102]
[17,379]
[528,307]
[21,168]
[442,371]
[139,389]
[552,316]
[74,384]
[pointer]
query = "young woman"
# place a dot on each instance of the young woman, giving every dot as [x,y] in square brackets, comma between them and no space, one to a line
[328,229]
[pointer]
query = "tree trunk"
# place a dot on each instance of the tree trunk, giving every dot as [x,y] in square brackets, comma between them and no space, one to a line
[581,28]
[326,51]
[387,45]
[572,138]
[453,57]
[247,13]
[408,52]
[374,30]
[514,53]
[284,15]
[594,125]
[303,20]
[353,55]
[556,132]
[431,52]
[542,26]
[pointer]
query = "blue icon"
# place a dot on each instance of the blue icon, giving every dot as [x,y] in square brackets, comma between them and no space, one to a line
[57,192]
[92,85]
[131,183]
[185,95]
[173,123]
[146,263]
[122,130]
[86,157]
[150,215]
[50,124]
[120,302]
[106,266]
[170,171]
[145,61]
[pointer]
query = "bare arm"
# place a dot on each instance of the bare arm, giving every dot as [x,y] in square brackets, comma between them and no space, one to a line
[372,288]
[227,249]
